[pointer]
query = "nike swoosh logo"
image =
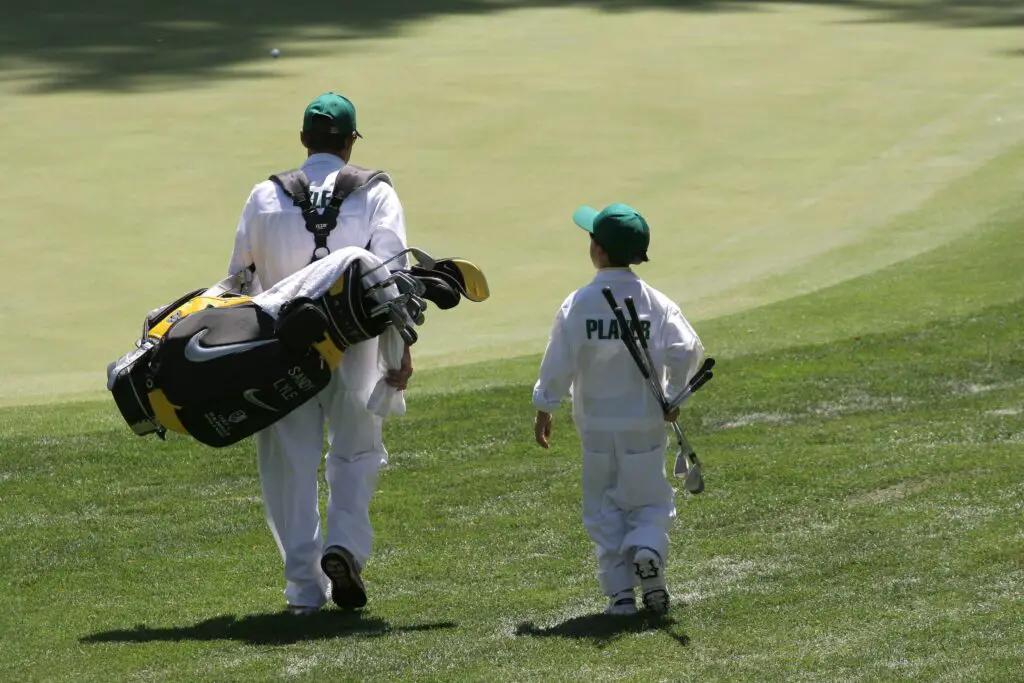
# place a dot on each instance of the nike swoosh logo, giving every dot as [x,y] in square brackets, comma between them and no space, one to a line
[250,396]
[197,353]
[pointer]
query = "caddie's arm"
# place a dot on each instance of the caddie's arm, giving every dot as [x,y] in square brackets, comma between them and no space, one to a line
[399,377]
[386,219]
[241,255]
[556,371]
[387,237]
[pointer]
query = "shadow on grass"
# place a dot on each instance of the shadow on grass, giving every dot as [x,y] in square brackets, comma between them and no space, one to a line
[602,629]
[118,45]
[278,628]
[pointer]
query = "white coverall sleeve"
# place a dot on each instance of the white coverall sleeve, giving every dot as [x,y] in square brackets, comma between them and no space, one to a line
[241,255]
[386,218]
[684,351]
[556,368]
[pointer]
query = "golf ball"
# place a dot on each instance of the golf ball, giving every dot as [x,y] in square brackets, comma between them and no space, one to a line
[275,53]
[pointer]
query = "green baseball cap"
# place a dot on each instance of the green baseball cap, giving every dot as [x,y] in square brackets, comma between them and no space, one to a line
[333,111]
[619,229]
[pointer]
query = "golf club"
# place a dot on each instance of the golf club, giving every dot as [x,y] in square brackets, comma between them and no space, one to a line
[422,257]
[699,379]
[687,464]
[686,458]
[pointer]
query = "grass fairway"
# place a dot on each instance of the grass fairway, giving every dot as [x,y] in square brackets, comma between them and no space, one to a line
[862,522]
[835,195]
[776,149]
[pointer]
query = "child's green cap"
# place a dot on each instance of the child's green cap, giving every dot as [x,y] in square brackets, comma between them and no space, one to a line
[619,229]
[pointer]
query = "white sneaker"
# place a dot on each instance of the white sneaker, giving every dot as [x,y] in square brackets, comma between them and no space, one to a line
[650,570]
[622,603]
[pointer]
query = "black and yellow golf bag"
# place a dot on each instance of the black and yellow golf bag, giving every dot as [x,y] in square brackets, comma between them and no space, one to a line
[216,366]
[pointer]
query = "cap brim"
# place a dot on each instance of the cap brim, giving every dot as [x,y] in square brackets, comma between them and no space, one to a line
[584,217]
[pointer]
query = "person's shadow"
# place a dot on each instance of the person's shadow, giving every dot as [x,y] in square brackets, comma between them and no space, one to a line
[278,628]
[601,629]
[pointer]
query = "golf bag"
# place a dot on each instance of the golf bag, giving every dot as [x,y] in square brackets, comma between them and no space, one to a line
[220,366]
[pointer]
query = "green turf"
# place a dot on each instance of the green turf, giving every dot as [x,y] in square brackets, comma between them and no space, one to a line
[835,198]
[861,523]
[776,149]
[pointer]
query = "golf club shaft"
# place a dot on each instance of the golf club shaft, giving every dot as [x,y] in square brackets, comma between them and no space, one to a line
[685,450]
[422,257]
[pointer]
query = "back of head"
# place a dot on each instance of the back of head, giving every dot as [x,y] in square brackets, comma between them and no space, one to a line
[329,123]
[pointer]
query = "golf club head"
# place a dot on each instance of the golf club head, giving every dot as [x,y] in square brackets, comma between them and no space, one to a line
[694,480]
[471,280]
[690,472]
[423,258]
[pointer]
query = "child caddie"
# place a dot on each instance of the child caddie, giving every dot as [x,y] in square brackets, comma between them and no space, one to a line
[628,502]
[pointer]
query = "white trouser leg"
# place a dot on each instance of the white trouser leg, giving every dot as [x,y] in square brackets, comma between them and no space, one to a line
[603,519]
[643,490]
[288,455]
[356,453]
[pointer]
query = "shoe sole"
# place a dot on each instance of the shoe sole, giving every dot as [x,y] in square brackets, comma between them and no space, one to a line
[651,573]
[347,589]
[657,601]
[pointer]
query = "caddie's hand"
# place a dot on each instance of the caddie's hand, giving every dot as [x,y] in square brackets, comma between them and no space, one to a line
[672,416]
[399,378]
[542,428]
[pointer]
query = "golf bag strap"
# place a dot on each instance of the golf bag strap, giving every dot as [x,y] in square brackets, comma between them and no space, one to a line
[295,185]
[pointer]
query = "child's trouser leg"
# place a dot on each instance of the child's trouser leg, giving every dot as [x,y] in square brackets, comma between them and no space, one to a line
[643,490]
[604,521]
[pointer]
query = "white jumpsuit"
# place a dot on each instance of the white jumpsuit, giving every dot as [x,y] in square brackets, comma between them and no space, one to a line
[627,500]
[272,235]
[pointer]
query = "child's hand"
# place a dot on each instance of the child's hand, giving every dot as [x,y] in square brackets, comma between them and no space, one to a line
[672,416]
[542,428]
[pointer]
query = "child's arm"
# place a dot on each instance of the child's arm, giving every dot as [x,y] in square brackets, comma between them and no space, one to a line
[684,351]
[556,370]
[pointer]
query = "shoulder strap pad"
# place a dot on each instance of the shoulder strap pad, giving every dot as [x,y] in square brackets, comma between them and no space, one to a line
[352,178]
[294,183]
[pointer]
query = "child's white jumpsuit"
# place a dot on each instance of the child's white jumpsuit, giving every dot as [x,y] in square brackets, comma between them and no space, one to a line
[628,502]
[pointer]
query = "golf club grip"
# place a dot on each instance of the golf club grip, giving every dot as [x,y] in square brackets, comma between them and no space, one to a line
[631,307]
[624,335]
[634,351]
[610,298]
[705,367]
[630,343]
[700,381]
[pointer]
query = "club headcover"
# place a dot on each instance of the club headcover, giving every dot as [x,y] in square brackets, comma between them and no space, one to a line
[439,287]
[469,278]
[350,309]
[300,324]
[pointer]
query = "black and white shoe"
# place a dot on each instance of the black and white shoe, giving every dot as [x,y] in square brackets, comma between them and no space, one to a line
[622,603]
[347,590]
[302,610]
[650,570]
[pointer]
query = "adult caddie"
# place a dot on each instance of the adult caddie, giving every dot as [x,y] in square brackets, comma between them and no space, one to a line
[288,221]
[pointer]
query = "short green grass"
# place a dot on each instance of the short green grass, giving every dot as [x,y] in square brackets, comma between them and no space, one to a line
[835,194]
[862,522]
[776,148]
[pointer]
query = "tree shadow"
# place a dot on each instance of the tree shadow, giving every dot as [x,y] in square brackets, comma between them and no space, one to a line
[122,45]
[602,629]
[278,628]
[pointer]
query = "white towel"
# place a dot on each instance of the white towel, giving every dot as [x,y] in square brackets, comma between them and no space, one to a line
[314,281]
